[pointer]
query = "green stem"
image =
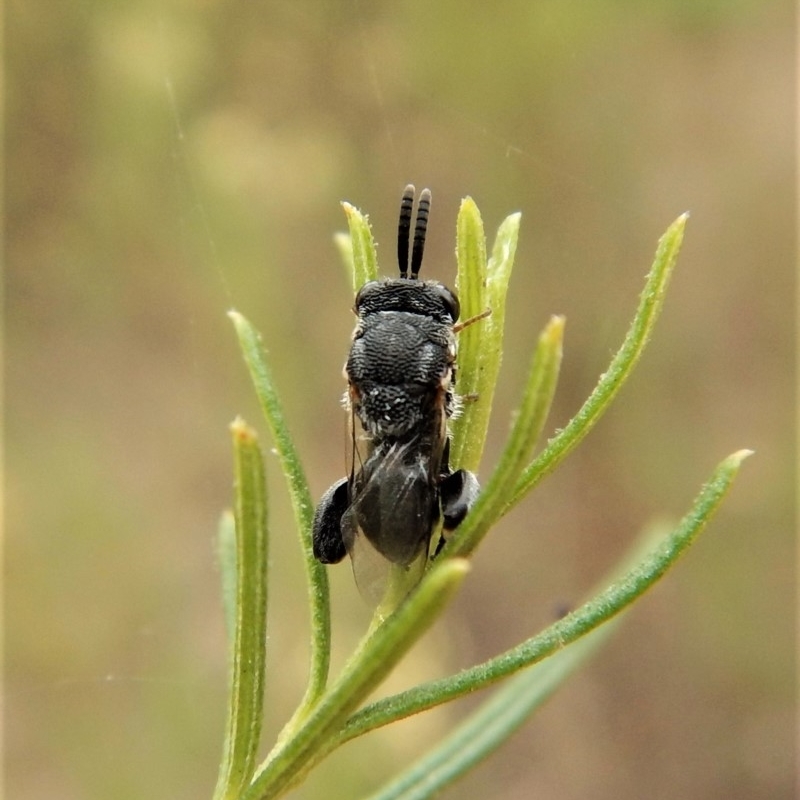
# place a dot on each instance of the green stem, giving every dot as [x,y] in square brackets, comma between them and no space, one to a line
[377,655]
[592,614]
[492,724]
[487,728]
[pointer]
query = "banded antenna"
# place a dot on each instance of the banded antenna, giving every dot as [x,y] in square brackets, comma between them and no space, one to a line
[420,229]
[404,229]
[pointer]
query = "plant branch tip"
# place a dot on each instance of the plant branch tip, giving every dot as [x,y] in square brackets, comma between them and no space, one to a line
[680,221]
[555,327]
[242,431]
[349,209]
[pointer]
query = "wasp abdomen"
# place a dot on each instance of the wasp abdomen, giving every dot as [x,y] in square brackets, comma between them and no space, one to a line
[392,504]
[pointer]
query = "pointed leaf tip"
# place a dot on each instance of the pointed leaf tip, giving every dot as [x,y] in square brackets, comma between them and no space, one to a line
[554,329]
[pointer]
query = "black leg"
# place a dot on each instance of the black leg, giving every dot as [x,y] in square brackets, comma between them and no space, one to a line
[327,529]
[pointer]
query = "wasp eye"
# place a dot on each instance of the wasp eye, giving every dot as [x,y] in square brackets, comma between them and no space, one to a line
[450,300]
[367,289]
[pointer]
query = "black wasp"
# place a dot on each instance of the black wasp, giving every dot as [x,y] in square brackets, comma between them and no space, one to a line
[401,377]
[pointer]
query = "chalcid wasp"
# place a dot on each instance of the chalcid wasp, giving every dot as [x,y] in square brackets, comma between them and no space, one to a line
[401,375]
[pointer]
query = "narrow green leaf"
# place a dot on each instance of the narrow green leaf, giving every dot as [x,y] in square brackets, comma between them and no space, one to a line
[226,557]
[319,596]
[471,291]
[530,419]
[493,723]
[471,259]
[589,616]
[481,286]
[373,660]
[248,653]
[650,305]
[365,259]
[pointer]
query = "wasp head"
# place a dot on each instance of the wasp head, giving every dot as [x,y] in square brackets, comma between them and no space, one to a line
[408,294]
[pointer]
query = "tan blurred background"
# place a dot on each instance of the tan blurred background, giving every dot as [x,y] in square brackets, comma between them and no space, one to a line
[170,160]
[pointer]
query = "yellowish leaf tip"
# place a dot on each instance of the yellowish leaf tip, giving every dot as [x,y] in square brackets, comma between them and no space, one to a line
[555,326]
[681,220]
[242,431]
[351,211]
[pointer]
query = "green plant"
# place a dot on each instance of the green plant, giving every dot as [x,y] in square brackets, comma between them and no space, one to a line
[332,711]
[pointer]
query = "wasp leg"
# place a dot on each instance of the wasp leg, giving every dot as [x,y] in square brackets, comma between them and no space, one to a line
[458,491]
[327,528]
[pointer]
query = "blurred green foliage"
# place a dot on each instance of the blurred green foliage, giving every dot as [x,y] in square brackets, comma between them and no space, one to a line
[166,161]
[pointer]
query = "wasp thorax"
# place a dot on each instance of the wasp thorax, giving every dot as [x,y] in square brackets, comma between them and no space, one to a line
[399,368]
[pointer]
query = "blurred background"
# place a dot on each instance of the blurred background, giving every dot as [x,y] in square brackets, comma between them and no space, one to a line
[170,160]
